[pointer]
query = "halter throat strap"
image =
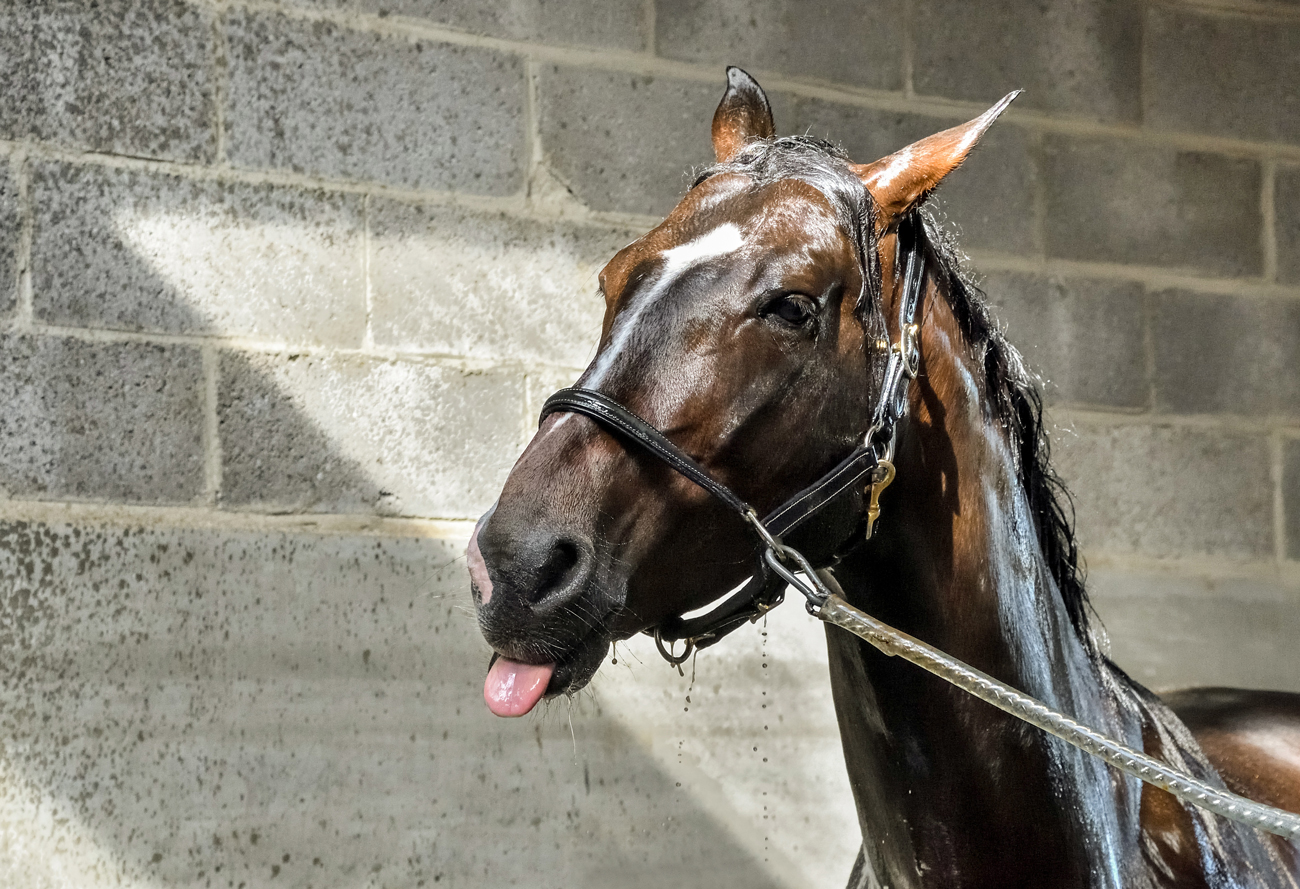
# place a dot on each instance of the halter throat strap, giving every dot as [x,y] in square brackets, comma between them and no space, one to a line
[777,562]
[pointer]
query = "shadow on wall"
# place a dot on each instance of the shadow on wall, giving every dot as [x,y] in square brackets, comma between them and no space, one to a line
[216,708]
[237,711]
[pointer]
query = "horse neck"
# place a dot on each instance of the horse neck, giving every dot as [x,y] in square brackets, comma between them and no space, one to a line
[945,785]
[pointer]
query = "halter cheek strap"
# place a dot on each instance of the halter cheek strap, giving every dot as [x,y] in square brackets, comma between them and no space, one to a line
[834,501]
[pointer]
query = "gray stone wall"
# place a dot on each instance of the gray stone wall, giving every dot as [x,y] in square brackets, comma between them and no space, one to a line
[283,282]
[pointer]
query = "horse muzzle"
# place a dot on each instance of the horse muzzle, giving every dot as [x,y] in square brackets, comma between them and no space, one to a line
[540,609]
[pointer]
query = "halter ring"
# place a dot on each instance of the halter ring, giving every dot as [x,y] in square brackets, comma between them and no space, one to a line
[675,659]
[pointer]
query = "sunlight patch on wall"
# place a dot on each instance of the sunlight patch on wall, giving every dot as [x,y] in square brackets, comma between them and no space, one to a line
[757,744]
[42,847]
[281,280]
[488,286]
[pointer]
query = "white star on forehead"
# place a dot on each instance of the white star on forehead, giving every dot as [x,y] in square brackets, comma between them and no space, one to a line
[720,241]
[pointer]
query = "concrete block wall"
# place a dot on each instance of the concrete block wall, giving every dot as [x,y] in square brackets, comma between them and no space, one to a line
[282,286]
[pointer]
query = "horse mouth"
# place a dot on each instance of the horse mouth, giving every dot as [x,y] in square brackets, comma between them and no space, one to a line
[514,688]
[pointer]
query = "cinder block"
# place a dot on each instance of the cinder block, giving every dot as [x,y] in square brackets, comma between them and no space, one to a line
[354,434]
[1226,354]
[1291,496]
[858,43]
[618,24]
[10,229]
[1287,204]
[131,250]
[1084,336]
[1173,632]
[625,142]
[1080,57]
[759,699]
[122,76]
[1222,73]
[116,421]
[300,709]
[455,282]
[1117,201]
[1168,491]
[318,99]
[990,199]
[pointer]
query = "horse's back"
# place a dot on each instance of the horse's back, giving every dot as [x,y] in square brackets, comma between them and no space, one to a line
[1251,737]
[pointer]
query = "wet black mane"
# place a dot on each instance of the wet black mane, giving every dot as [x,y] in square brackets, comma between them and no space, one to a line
[1017,406]
[1015,401]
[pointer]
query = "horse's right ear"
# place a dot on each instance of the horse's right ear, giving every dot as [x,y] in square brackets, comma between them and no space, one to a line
[742,116]
[902,180]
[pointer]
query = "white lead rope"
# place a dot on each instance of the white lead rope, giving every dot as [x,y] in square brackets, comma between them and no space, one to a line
[834,610]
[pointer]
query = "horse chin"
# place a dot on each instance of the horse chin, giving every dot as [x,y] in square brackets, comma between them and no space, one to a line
[575,670]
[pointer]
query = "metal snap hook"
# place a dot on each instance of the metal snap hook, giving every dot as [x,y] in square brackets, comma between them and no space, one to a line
[880,480]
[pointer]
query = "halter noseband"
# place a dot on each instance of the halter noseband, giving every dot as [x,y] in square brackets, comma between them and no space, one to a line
[836,492]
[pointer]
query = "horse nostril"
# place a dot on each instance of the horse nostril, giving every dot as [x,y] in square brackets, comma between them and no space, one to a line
[556,572]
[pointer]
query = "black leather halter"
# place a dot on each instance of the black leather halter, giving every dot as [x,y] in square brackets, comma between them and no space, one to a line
[788,532]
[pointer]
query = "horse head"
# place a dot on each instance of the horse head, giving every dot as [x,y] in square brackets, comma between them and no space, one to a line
[752,328]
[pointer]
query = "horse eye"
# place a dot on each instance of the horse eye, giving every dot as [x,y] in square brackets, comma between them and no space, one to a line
[793,309]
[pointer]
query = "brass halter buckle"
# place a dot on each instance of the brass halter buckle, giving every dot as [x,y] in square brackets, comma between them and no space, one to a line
[880,479]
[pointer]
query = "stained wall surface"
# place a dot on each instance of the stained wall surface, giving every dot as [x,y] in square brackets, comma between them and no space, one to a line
[282,286]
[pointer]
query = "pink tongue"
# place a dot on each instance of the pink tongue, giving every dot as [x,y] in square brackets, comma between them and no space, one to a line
[512,688]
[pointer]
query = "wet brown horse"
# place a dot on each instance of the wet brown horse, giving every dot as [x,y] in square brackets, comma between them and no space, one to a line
[752,327]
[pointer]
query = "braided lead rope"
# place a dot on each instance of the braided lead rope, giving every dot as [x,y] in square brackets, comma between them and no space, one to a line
[895,642]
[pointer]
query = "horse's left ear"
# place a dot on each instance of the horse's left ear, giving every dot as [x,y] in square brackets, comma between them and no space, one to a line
[743,115]
[902,180]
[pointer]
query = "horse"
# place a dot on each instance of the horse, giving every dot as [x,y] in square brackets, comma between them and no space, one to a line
[753,329]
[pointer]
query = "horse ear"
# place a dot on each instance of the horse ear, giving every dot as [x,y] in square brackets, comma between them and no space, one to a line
[742,116]
[902,180]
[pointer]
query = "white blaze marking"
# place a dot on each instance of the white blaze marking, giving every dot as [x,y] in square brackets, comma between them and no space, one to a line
[722,240]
